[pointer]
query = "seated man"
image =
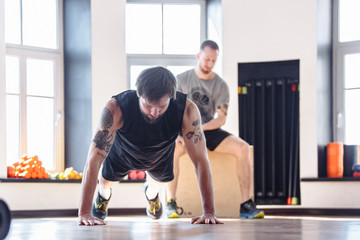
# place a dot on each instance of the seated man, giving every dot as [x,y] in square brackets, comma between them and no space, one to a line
[211,94]
[137,131]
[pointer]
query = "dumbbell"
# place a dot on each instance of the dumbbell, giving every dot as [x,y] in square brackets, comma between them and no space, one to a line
[5,219]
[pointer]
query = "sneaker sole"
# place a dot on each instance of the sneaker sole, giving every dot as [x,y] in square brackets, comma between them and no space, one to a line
[173,215]
[259,215]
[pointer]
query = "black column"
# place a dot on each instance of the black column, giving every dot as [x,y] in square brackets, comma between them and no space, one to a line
[77,67]
[324,82]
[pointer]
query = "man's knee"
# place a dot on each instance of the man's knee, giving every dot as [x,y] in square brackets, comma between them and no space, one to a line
[242,147]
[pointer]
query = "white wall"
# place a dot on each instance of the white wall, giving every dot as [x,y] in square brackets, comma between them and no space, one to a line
[262,30]
[108,53]
[58,196]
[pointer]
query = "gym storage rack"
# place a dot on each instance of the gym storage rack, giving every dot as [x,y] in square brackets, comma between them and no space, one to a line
[269,120]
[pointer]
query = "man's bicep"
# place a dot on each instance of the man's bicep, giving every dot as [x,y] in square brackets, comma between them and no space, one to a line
[222,99]
[192,129]
[103,141]
[106,131]
[195,144]
[194,132]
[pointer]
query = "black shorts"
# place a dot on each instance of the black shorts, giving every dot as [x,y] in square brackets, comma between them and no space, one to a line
[215,137]
[116,170]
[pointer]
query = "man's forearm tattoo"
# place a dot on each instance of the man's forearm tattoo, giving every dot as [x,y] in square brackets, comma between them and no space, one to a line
[103,138]
[197,134]
[223,108]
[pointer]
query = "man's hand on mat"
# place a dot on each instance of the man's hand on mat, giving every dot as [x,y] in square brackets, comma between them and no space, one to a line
[89,220]
[206,218]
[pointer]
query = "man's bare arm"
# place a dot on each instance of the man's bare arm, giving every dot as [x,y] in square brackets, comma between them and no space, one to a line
[110,121]
[220,120]
[195,145]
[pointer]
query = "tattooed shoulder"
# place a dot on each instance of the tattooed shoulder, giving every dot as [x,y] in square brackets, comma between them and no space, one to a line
[196,134]
[195,123]
[106,120]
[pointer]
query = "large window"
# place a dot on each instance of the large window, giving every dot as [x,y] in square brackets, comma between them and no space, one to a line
[34,80]
[163,33]
[347,70]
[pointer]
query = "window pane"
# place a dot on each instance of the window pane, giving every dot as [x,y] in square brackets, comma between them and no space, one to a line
[181,29]
[12,75]
[12,129]
[40,129]
[143,29]
[135,70]
[352,116]
[12,21]
[349,20]
[40,77]
[352,71]
[40,23]
[179,69]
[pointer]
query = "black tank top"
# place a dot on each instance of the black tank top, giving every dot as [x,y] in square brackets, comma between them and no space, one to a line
[141,144]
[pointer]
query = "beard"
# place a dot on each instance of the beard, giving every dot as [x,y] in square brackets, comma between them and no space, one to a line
[151,120]
[204,70]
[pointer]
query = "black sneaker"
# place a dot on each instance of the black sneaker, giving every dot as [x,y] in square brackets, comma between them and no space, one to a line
[100,207]
[154,207]
[248,210]
[172,209]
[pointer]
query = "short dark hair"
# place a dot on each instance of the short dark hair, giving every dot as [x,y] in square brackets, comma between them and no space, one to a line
[209,43]
[154,83]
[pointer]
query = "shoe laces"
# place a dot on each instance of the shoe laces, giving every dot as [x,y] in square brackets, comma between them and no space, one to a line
[173,205]
[252,204]
[249,205]
[155,206]
[102,204]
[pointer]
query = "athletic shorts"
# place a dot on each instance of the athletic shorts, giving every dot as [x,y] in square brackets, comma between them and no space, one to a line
[116,170]
[215,137]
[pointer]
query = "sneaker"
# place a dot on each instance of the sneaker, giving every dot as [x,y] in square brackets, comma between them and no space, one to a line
[248,210]
[172,209]
[154,207]
[100,207]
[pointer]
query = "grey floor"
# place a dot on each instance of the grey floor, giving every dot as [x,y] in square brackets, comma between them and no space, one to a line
[140,227]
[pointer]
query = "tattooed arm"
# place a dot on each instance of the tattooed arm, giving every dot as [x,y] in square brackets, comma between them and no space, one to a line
[110,121]
[195,145]
[220,120]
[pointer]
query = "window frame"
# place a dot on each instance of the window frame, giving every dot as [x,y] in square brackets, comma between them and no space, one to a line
[167,59]
[24,52]
[340,50]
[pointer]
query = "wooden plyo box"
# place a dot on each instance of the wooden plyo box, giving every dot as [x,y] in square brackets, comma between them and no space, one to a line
[226,186]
